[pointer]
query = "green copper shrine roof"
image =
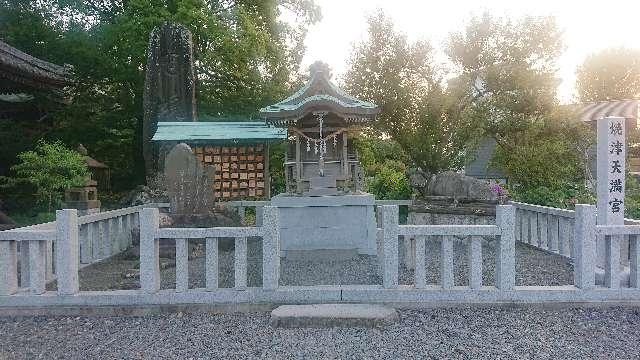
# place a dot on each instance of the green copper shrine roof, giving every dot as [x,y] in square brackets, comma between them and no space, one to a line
[319,94]
[219,132]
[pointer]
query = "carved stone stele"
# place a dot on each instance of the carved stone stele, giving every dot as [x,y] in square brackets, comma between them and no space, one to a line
[189,183]
[169,89]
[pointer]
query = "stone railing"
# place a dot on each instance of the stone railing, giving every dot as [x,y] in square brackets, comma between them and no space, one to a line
[505,261]
[505,290]
[547,228]
[149,255]
[100,235]
[552,229]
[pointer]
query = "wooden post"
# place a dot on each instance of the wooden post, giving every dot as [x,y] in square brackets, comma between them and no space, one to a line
[298,166]
[267,178]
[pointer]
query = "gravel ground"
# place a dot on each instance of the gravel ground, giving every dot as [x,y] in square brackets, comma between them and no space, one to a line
[488,333]
[533,267]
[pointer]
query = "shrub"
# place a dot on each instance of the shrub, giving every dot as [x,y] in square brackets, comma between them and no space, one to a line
[389,182]
[51,168]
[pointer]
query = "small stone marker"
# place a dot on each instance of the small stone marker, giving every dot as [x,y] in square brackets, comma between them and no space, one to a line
[189,183]
[333,315]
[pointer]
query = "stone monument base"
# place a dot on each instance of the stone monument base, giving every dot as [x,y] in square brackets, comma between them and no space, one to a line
[326,225]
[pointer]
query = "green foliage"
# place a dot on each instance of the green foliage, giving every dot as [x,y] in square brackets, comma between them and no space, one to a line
[373,151]
[611,74]
[276,168]
[246,56]
[632,198]
[389,182]
[383,161]
[564,196]
[26,219]
[508,88]
[549,155]
[51,168]
[507,73]
[405,81]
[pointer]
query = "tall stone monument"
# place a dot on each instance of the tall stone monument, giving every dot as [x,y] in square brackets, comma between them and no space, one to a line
[169,90]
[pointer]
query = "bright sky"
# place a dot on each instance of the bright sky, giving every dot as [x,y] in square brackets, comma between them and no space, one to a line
[588,26]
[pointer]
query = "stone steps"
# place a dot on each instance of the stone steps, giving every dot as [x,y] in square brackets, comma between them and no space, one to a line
[333,315]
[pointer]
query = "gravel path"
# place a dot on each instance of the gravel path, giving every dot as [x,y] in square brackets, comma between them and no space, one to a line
[533,267]
[516,333]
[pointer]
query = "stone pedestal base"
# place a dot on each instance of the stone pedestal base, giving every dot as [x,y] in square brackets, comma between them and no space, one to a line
[311,223]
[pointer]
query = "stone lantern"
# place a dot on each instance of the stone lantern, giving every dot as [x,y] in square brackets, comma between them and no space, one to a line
[83,198]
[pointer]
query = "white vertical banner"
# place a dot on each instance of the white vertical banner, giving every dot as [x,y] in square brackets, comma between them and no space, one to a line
[611,170]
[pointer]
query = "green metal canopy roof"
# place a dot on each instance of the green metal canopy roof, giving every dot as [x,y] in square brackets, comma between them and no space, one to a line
[219,132]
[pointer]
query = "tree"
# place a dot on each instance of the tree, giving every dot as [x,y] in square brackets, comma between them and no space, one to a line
[404,80]
[508,86]
[611,74]
[51,168]
[506,73]
[246,56]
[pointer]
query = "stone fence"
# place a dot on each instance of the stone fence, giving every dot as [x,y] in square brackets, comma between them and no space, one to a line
[66,239]
[100,236]
[552,229]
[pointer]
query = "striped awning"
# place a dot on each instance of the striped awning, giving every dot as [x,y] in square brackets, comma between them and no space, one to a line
[627,109]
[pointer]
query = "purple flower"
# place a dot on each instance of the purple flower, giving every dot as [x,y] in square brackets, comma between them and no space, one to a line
[498,189]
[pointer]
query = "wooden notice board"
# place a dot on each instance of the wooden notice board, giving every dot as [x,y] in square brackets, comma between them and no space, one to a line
[240,170]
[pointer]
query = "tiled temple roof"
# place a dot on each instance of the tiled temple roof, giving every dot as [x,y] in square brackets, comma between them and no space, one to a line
[27,72]
[319,94]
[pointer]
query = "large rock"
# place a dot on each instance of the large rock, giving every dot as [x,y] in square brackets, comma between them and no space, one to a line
[456,185]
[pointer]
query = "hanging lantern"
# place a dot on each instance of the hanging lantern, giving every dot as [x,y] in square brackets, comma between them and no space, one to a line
[308,145]
[335,141]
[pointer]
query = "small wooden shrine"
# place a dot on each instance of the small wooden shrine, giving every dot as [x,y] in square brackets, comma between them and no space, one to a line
[321,120]
[323,214]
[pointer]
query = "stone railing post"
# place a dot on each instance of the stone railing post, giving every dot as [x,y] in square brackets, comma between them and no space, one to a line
[67,251]
[149,250]
[259,215]
[506,254]
[271,248]
[8,267]
[390,229]
[584,244]
[242,214]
